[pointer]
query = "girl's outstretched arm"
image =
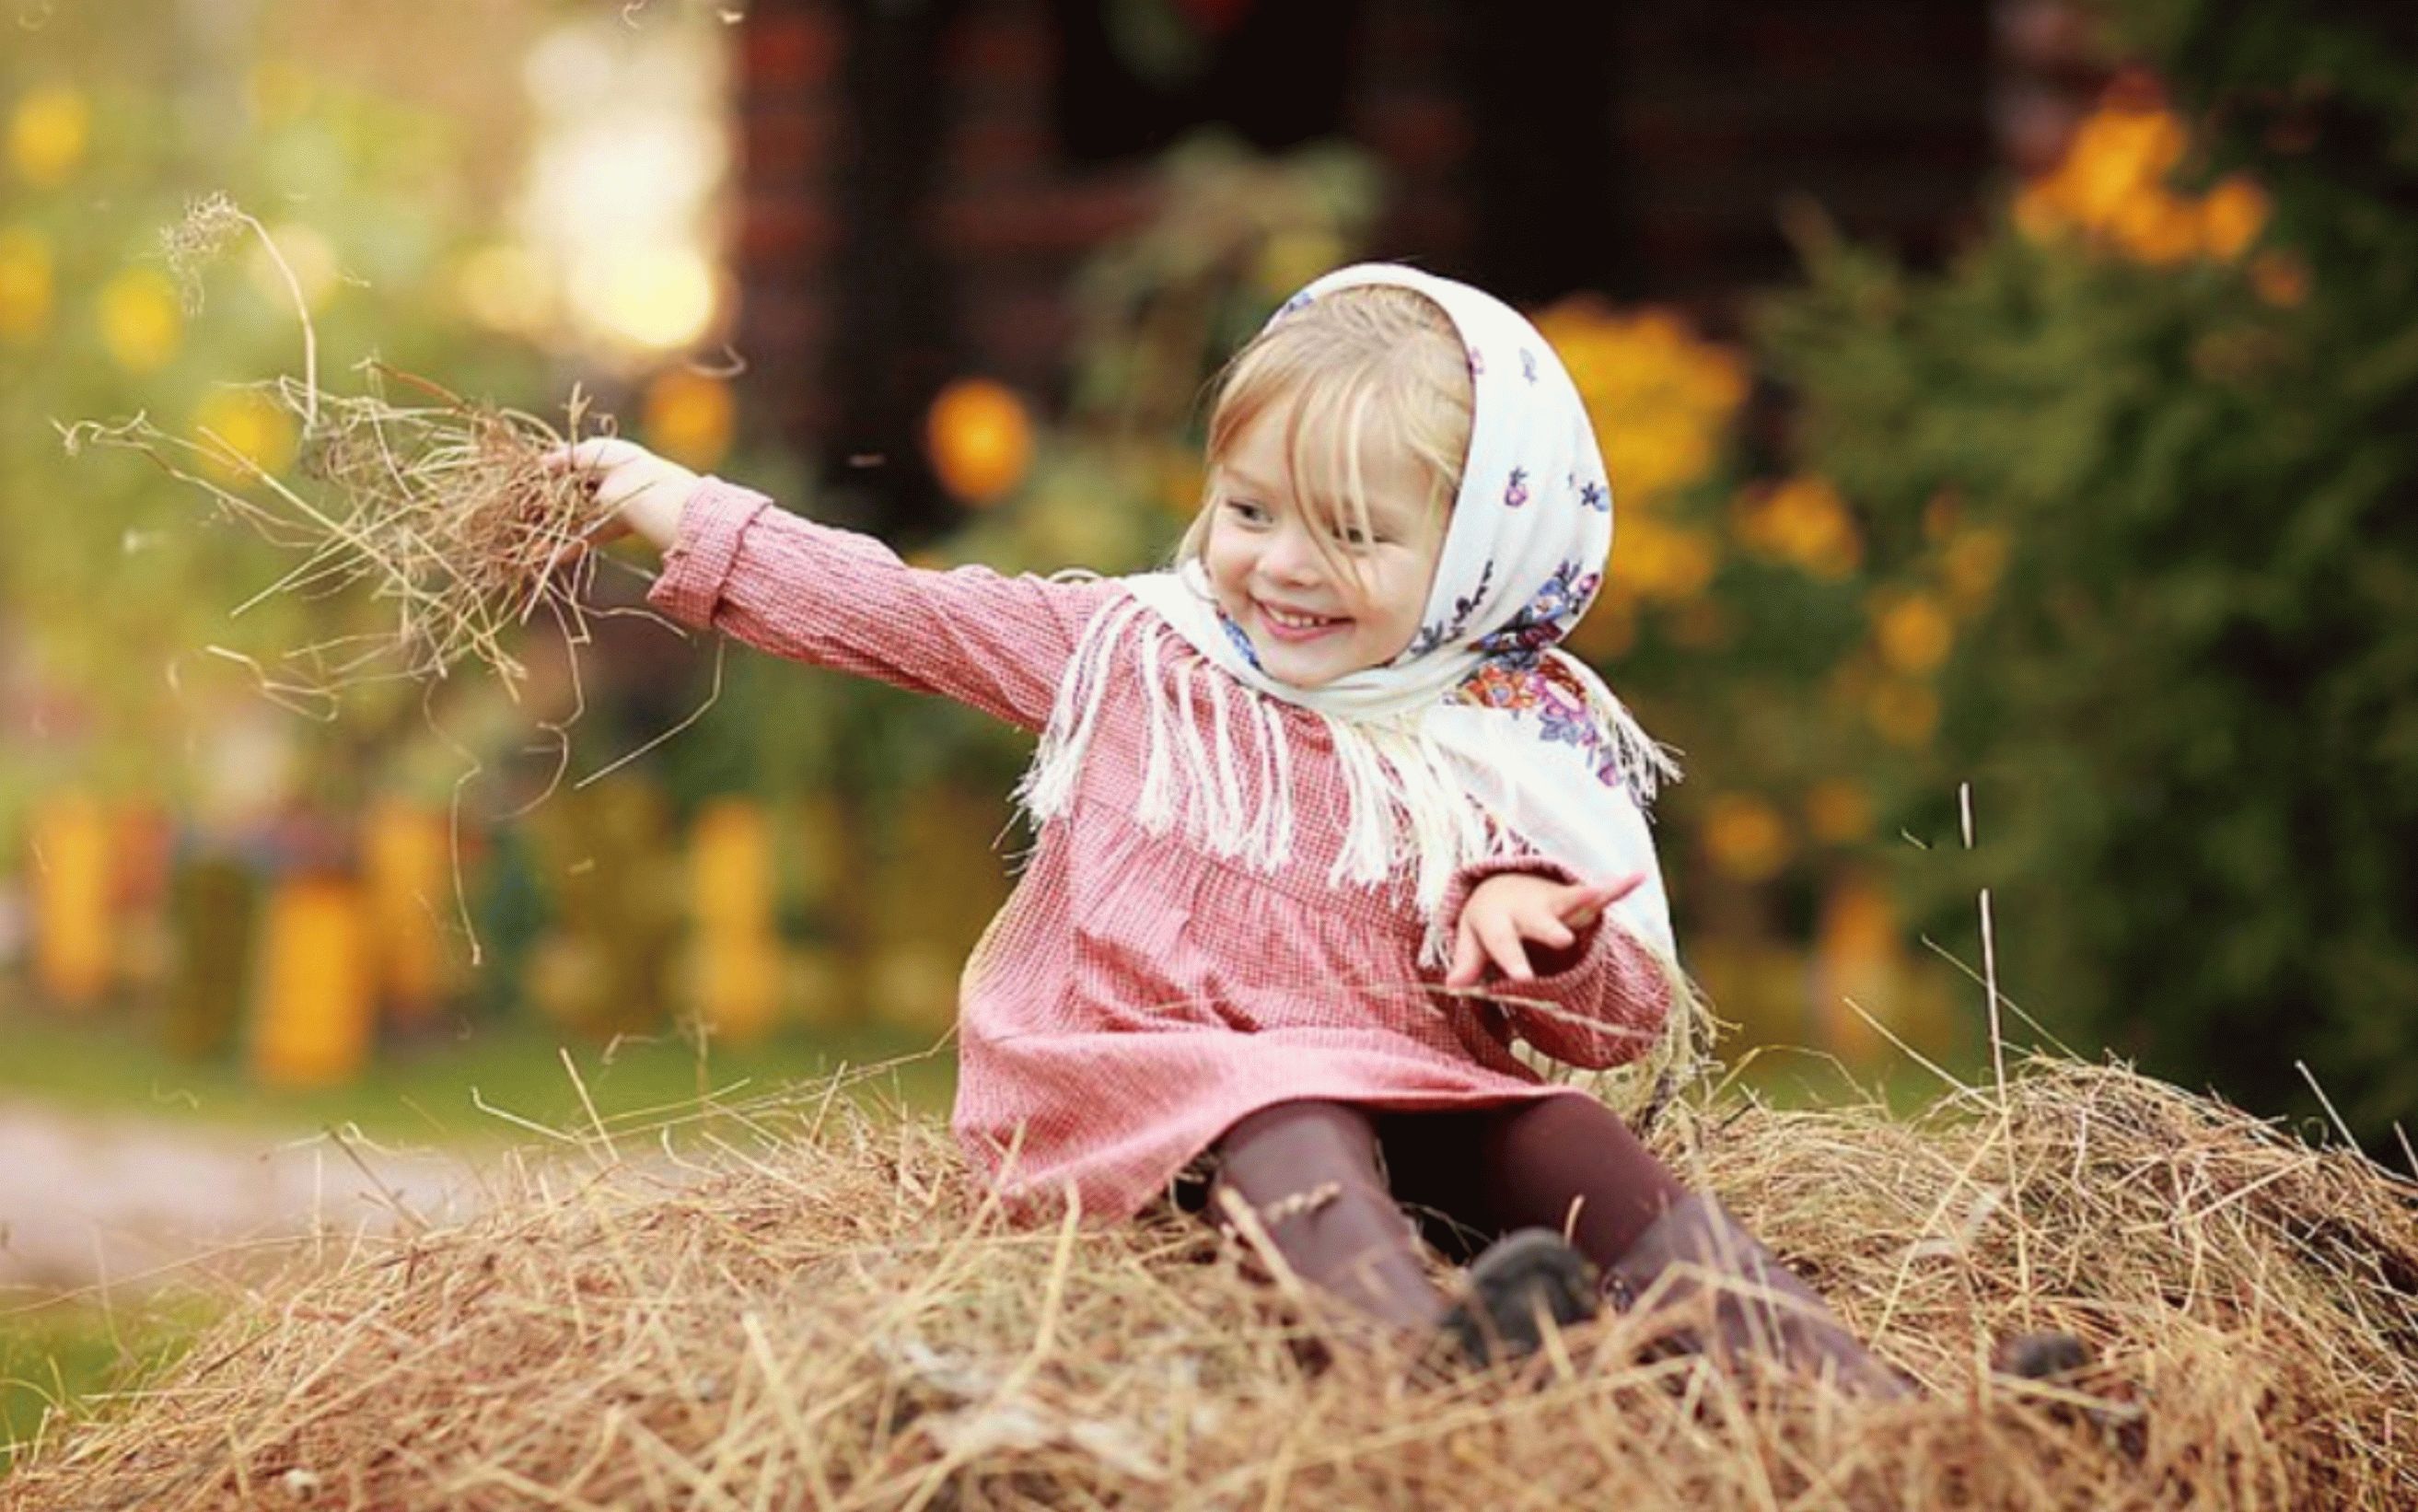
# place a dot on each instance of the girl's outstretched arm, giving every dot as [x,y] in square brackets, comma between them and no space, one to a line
[735,562]
[1594,995]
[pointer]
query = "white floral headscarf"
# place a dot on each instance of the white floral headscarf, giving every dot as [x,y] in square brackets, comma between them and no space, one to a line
[1481,733]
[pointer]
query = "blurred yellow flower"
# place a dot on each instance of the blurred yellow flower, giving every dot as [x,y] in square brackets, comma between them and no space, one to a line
[140,321]
[1746,838]
[2156,227]
[248,424]
[25,284]
[2111,186]
[48,134]
[2232,216]
[1662,398]
[1663,563]
[1972,564]
[1837,812]
[1914,634]
[1905,713]
[689,418]
[1803,521]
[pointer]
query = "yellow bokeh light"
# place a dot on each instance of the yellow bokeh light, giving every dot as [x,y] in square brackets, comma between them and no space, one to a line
[1663,563]
[247,423]
[1914,634]
[1662,398]
[1972,565]
[309,254]
[1746,838]
[26,284]
[2111,185]
[1802,521]
[689,418]
[48,134]
[657,299]
[142,323]
[2232,216]
[980,439]
[504,287]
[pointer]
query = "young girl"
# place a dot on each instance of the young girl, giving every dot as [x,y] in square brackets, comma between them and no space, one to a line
[1325,822]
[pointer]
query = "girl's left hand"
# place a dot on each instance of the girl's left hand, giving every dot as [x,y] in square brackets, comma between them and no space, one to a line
[1511,909]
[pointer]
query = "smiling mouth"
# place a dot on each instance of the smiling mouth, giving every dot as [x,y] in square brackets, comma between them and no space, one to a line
[1290,626]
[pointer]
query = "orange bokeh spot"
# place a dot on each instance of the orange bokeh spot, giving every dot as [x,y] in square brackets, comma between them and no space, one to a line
[980,439]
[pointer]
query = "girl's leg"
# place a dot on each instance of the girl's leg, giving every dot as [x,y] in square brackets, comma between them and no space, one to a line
[1309,1171]
[1571,1164]
[1567,1164]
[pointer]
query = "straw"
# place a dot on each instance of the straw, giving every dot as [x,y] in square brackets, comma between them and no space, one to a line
[817,1305]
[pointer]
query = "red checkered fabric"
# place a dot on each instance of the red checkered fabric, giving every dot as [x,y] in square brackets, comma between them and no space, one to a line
[1138,993]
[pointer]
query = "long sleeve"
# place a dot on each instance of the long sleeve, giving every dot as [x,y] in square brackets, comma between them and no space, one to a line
[1601,1000]
[844,601]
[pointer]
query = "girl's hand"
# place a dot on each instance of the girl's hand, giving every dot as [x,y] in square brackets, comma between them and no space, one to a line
[1510,908]
[642,492]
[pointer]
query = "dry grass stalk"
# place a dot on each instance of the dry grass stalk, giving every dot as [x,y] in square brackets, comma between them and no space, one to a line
[442,508]
[815,1307]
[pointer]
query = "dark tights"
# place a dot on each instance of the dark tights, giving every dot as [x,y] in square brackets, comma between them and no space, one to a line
[1311,1172]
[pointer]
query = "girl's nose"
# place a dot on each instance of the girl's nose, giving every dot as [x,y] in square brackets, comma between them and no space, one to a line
[1292,557]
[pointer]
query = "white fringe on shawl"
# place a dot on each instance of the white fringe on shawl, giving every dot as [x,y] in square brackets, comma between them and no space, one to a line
[1427,792]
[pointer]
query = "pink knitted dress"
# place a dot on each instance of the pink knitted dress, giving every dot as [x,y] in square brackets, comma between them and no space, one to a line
[1139,994]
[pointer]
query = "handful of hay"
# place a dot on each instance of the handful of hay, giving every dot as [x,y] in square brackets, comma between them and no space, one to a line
[820,1307]
[444,508]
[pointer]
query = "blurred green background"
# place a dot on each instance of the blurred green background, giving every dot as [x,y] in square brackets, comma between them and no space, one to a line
[2066,561]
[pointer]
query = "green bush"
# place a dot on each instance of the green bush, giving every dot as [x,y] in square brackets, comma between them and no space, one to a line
[2187,711]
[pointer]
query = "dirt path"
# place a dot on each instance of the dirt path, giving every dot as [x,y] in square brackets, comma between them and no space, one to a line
[87,1199]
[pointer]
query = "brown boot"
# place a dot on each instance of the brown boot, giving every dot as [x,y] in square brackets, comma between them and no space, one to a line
[1759,1307]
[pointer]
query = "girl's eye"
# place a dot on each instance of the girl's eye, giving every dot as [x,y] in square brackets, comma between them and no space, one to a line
[1244,509]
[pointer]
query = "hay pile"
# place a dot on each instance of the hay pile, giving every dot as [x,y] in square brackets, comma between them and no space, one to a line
[817,1307]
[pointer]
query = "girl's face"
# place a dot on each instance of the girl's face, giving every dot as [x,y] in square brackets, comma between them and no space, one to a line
[1316,614]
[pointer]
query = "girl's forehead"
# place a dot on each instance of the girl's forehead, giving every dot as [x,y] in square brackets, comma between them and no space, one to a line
[1316,459]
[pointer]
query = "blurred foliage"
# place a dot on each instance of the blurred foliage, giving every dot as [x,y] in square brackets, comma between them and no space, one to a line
[2179,435]
[116,581]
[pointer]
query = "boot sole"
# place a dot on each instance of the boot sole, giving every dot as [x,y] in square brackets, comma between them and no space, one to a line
[1522,1280]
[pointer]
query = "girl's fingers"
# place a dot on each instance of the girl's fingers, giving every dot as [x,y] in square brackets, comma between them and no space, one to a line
[1467,959]
[1501,938]
[1582,901]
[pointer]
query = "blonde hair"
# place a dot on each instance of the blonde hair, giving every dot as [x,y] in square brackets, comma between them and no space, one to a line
[1373,363]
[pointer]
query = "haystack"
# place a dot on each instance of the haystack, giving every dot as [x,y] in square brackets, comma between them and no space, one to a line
[799,1304]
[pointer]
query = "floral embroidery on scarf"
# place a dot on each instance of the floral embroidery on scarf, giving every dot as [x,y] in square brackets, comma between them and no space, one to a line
[1517,493]
[1476,363]
[1596,497]
[1446,631]
[1528,364]
[1528,687]
[1543,622]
